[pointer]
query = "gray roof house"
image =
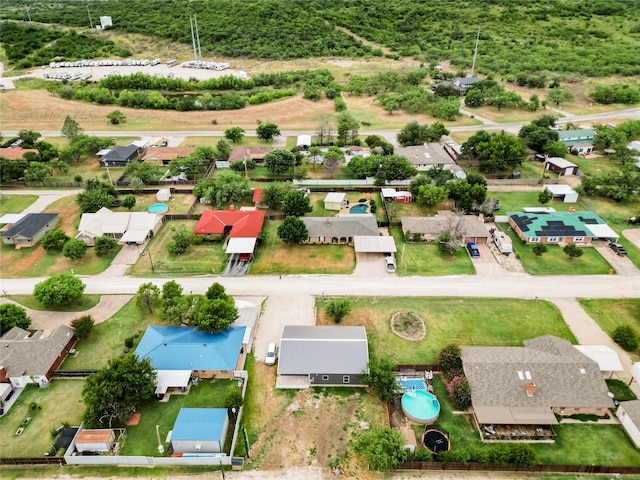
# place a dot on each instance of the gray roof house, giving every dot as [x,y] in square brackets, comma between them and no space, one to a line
[321,355]
[340,230]
[467,228]
[28,231]
[30,358]
[120,156]
[528,385]
[427,156]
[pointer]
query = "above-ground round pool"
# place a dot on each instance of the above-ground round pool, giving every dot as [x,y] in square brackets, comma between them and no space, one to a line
[420,406]
[359,208]
[158,208]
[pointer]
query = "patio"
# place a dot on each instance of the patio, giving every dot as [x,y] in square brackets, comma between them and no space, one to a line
[517,433]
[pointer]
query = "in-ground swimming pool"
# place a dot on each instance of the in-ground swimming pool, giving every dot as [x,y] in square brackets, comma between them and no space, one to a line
[359,208]
[420,406]
[158,208]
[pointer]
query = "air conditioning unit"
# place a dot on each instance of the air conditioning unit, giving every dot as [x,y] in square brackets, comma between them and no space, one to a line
[197,447]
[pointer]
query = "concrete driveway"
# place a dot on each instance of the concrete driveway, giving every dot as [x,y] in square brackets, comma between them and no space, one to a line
[126,257]
[370,265]
[621,264]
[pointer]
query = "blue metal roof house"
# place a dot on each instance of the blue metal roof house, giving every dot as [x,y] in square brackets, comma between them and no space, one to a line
[185,348]
[200,430]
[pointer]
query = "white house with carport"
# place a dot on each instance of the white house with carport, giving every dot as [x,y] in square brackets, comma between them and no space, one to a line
[334,200]
[126,227]
[606,358]
[563,192]
[629,415]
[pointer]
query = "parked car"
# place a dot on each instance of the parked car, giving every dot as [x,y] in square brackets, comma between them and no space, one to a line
[245,257]
[390,264]
[164,144]
[473,249]
[619,249]
[272,354]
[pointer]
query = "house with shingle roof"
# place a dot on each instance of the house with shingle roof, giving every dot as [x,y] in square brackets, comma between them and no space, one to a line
[164,155]
[30,229]
[528,385]
[253,153]
[126,227]
[466,228]
[560,227]
[120,156]
[340,230]
[31,358]
[322,355]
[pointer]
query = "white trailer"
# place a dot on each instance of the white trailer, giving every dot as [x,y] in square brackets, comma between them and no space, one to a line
[502,241]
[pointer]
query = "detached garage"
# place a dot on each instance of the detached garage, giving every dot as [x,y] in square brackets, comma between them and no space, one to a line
[629,415]
[563,192]
[561,166]
[95,441]
[200,430]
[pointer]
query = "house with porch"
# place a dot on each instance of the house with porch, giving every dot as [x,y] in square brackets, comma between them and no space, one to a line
[30,229]
[580,140]
[466,228]
[241,227]
[164,155]
[322,356]
[120,156]
[427,156]
[253,153]
[340,230]
[127,227]
[516,392]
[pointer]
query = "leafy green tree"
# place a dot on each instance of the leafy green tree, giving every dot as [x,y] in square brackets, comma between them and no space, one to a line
[113,393]
[84,146]
[217,292]
[393,167]
[626,336]
[539,249]
[233,401]
[195,164]
[103,245]
[412,134]
[136,184]
[180,241]
[382,448]
[83,326]
[555,149]
[607,137]
[46,151]
[430,195]
[382,378]
[223,150]
[70,128]
[296,203]
[54,240]
[225,187]
[38,172]
[559,95]
[129,201]
[142,170]
[267,131]
[338,309]
[148,295]
[273,194]
[28,137]
[58,290]
[536,137]
[450,361]
[460,391]
[171,290]
[572,250]
[215,315]
[496,152]
[95,196]
[74,249]
[13,316]
[279,161]
[363,167]
[448,243]
[234,134]
[116,117]
[544,121]
[292,230]
[545,196]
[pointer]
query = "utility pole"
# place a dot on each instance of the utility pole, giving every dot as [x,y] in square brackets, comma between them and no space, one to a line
[28,13]
[193,39]
[89,13]
[197,38]
[475,52]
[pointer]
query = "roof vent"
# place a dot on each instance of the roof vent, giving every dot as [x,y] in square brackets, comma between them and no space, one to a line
[327,222]
[583,371]
[531,388]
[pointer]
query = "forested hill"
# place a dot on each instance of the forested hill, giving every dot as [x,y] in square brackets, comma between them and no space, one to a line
[588,37]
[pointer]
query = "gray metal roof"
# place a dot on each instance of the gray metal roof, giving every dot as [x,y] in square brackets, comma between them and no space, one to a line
[30,225]
[326,350]
[563,376]
[346,226]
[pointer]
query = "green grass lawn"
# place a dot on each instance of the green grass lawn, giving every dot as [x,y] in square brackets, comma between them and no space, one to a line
[555,262]
[593,166]
[611,313]
[85,303]
[514,201]
[425,259]
[141,438]
[620,390]
[15,203]
[60,403]
[275,257]
[178,204]
[106,341]
[478,321]
[207,257]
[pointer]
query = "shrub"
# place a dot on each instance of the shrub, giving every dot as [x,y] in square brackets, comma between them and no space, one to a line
[82,326]
[74,249]
[538,249]
[338,309]
[54,240]
[103,245]
[449,360]
[128,342]
[626,337]
[459,391]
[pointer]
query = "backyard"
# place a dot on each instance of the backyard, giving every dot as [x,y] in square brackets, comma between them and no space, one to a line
[425,259]
[60,403]
[204,258]
[478,321]
[178,204]
[275,257]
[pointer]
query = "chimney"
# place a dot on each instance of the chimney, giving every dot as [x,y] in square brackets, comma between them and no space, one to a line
[572,210]
[232,207]
[531,388]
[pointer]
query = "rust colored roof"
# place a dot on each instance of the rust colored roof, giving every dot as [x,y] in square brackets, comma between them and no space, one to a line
[244,224]
[254,153]
[15,153]
[257,195]
[167,153]
[95,436]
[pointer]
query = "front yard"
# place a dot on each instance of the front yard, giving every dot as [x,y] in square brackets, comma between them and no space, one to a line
[15,203]
[477,321]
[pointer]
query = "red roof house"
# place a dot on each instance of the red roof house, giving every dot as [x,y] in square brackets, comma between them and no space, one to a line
[235,223]
[257,196]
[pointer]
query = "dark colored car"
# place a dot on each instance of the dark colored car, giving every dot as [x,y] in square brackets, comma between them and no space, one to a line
[473,249]
[619,249]
[245,257]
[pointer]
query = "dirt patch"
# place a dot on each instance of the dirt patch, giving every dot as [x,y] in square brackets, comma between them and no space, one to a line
[25,263]
[409,326]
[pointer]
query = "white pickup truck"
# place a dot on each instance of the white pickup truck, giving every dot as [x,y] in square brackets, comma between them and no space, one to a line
[502,241]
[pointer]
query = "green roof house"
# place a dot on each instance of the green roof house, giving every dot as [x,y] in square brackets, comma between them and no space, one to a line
[560,227]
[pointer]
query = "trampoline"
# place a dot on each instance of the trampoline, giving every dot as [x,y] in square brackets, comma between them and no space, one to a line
[436,441]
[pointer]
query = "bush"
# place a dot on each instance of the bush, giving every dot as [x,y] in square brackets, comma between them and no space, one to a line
[82,326]
[338,309]
[54,240]
[449,360]
[626,337]
[103,245]
[74,249]
[538,249]
[59,290]
[128,342]
[459,391]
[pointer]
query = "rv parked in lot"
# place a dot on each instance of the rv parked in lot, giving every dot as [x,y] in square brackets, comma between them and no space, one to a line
[502,241]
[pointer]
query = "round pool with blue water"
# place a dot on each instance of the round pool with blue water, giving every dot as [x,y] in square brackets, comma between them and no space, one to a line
[158,208]
[359,208]
[420,406]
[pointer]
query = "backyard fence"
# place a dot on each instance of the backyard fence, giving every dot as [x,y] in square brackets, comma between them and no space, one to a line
[33,461]
[72,373]
[476,466]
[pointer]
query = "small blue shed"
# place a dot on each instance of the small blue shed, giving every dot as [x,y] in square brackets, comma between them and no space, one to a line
[200,430]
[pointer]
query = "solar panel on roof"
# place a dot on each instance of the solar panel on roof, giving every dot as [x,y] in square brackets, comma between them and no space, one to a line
[589,221]
[554,223]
